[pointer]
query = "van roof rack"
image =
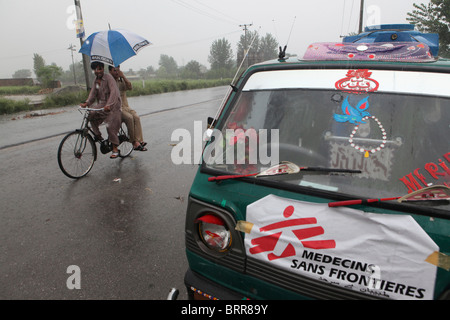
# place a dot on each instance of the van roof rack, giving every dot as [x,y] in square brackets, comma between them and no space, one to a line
[395,33]
[381,51]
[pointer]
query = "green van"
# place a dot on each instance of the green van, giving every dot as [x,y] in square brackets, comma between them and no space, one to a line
[327,177]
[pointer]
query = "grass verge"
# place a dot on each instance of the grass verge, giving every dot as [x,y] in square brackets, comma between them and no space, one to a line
[140,88]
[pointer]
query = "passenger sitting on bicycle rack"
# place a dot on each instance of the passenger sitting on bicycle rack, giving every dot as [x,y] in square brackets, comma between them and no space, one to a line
[107,95]
[129,116]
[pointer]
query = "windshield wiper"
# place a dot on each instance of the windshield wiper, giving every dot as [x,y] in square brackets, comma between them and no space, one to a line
[284,167]
[437,195]
[329,170]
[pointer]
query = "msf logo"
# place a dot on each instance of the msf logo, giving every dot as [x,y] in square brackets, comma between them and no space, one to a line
[268,242]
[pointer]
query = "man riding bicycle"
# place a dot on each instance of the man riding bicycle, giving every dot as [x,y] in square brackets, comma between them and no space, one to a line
[107,95]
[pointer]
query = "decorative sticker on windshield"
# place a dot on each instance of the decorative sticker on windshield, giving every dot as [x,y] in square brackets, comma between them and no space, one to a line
[357,81]
[358,116]
[351,114]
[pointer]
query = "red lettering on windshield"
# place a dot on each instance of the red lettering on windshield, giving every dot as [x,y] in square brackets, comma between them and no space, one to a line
[436,171]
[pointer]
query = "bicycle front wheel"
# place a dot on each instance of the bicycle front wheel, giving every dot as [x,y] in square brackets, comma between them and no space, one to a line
[76,154]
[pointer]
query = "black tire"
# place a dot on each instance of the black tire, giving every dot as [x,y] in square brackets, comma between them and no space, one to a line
[76,154]
[125,146]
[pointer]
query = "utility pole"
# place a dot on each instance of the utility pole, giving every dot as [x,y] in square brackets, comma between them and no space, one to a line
[80,34]
[245,37]
[72,49]
[361,16]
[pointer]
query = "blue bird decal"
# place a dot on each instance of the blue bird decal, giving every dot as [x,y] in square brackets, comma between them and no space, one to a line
[353,114]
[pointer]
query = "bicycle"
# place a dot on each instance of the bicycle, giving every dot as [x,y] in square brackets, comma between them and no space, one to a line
[77,151]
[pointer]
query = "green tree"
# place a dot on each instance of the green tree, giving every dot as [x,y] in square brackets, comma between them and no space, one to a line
[22,73]
[48,74]
[38,62]
[434,17]
[220,55]
[250,38]
[45,74]
[268,47]
[146,73]
[192,70]
[168,67]
[262,49]
[68,75]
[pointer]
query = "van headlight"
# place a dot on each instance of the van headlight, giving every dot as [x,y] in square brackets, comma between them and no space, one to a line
[214,232]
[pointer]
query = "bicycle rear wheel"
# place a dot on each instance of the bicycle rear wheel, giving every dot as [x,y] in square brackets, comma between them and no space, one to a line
[76,154]
[125,146]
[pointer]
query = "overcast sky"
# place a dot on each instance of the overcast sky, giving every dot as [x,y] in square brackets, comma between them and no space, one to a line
[183,29]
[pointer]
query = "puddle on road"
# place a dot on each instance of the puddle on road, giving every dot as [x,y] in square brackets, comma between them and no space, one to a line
[38,113]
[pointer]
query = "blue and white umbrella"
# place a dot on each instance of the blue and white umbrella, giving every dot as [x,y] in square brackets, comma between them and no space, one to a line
[113,46]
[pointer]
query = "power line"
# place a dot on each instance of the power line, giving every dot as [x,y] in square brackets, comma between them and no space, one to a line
[219,12]
[350,18]
[200,11]
[342,21]
[32,53]
[194,41]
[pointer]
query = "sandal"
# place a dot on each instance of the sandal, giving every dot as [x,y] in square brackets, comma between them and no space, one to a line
[143,143]
[114,155]
[140,148]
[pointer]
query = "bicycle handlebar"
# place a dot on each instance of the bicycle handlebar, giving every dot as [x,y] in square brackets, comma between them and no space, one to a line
[89,109]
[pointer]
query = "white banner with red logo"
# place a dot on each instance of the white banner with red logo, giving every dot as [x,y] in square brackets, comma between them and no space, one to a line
[378,254]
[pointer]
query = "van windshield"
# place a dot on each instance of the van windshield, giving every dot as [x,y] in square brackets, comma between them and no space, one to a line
[399,142]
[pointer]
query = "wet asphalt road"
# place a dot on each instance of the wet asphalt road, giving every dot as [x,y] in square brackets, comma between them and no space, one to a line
[122,225]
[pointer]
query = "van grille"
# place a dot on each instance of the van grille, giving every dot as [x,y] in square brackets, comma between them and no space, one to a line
[231,260]
[302,285]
